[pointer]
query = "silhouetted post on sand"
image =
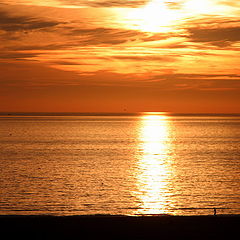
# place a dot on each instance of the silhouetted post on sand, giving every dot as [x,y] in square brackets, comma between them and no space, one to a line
[215,211]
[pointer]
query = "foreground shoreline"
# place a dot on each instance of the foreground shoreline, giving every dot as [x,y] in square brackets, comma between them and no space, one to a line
[121,227]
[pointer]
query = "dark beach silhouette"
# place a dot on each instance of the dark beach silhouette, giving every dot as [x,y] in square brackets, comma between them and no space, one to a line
[121,227]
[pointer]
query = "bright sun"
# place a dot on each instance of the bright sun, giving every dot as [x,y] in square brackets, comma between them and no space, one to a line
[153,17]
[164,15]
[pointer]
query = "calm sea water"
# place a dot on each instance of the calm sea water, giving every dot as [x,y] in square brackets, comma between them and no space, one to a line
[126,164]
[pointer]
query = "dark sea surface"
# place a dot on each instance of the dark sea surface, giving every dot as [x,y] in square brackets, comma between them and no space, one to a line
[119,164]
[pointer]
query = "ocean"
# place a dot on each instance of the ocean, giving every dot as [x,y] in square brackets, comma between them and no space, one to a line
[119,164]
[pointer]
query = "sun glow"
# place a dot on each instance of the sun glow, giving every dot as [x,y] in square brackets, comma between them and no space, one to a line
[167,15]
[153,17]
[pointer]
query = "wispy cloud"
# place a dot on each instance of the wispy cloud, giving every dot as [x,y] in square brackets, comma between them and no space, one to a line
[110,36]
[12,23]
[106,3]
[232,3]
[216,36]
[82,3]
[13,55]
[203,82]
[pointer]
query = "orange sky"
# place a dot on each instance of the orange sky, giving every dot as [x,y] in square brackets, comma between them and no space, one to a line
[107,56]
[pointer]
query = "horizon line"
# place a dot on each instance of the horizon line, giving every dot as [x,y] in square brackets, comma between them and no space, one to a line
[48,113]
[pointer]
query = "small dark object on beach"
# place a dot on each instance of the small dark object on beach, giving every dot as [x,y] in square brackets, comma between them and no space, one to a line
[215,211]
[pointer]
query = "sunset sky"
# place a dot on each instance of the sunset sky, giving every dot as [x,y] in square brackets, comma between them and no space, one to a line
[116,55]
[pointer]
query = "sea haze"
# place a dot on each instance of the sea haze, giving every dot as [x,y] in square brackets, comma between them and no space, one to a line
[120,164]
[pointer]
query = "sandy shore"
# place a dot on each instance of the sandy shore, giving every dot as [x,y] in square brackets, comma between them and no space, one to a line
[122,227]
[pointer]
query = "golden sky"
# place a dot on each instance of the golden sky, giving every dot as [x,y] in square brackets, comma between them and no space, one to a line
[116,55]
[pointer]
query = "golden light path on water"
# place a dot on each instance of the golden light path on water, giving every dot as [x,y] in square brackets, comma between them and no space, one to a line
[154,167]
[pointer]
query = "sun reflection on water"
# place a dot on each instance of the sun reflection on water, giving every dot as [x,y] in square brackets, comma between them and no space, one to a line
[153,166]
